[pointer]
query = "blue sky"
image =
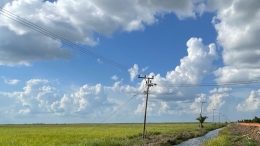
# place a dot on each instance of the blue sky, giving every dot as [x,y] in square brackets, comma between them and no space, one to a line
[187,42]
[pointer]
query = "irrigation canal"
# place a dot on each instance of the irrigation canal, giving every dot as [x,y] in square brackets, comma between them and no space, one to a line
[199,140]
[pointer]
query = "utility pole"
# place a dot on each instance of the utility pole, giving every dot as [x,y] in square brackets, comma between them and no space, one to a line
[201,107]
[148,84]
[213,115]
[224,118]
[219,117]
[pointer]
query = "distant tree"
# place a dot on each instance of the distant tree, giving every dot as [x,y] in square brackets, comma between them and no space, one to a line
[201,119]
[256,119]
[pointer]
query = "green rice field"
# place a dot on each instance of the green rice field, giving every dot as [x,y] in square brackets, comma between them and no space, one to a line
[97,134]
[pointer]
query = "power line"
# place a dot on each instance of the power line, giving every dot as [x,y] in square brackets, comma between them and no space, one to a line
[47,33]
[212,84]
[118,108]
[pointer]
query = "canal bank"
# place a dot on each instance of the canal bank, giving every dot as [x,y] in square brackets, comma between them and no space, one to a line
[199,140]
[237,135]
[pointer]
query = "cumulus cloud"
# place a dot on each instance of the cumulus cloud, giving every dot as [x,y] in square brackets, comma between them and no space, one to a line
[216,101]
[40,96]
[114,77]
[220,90]
[10,81]
[65,17]
[144,69]
[165,97]
[238,32]
[17,50]
[191,70]
[85,101]
[233,74]
[196,106]
[133,72]
[160,108]
[252,103]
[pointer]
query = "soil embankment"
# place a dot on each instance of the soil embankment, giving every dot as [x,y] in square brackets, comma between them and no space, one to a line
[251,130]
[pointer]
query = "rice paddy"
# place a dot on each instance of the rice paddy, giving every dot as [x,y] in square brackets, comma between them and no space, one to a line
[92,134]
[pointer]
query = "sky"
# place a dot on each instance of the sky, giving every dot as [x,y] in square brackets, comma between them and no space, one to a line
[44,80]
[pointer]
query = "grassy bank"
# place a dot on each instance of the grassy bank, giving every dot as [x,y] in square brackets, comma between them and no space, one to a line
[99,134]
[227,137]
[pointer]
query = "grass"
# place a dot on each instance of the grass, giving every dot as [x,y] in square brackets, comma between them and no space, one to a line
[96,134]
[225,138]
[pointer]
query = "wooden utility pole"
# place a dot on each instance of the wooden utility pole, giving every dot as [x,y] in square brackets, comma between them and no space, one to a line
[148,84]
[219,117]
[213,115]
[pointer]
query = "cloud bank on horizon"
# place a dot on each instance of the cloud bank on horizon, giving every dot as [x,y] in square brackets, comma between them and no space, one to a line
[38,99]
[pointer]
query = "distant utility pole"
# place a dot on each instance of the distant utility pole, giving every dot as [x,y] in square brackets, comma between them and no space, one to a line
[201,107]
[225,118]
[219,117]
[213,115]
[148,84]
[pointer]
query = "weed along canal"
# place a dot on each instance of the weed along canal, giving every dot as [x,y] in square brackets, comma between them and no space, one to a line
[199,140]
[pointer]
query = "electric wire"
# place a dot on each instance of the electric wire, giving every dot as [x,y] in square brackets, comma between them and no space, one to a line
[212,84]
[47,33]
[118,109]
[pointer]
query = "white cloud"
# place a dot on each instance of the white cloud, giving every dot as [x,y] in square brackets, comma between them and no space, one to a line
[32,100]
[40,97]
[22,52]
[252,103]
[192,69]
[133,72]
[144,69]
[216,101]
[196,106]
[165,98]
[237,25]
[65,17]
[232,74]
[114,77]
[161,108]
[220,90]
[24,111]
[10,81]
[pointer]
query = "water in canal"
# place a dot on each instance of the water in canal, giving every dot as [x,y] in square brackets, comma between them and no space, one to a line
[199,140]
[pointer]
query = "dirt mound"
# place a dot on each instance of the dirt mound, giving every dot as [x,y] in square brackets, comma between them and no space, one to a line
[248,130]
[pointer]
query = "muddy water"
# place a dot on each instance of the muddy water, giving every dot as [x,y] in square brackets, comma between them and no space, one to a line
[199,140]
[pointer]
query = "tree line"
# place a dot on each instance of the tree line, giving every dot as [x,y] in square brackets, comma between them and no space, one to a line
[254,120]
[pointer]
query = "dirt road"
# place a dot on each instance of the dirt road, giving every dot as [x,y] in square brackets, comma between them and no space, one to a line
[250,124]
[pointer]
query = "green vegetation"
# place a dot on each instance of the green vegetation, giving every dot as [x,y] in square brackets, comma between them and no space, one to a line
[99,134]
[254,120]
[227,138]
[201,119]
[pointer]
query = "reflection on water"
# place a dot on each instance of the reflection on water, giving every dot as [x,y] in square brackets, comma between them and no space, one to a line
[199,140]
